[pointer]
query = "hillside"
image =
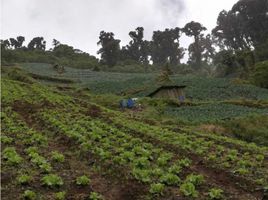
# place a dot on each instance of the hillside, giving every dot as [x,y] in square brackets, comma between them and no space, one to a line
[66,142]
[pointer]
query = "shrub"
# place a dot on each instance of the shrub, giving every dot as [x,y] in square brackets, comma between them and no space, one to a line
[29,195]
[215,193]
[57,157]
[260,75]
[82,180]
[157,188]
[52,180]
[24,179]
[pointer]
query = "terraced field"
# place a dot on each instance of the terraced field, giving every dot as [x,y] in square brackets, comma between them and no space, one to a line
[57,146]
[137,84]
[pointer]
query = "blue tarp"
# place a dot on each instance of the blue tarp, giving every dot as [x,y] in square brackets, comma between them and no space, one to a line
[127,103]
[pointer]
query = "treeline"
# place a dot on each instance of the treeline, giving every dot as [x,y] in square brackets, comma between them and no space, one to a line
[235,46]
[13,51]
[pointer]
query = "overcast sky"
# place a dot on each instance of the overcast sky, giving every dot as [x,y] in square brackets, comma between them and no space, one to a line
[79,22]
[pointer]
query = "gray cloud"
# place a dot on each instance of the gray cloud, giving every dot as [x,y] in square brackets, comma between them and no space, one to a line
[78,22]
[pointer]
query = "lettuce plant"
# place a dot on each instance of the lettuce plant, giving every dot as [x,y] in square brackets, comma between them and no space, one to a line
[170,179]
[95,196]
[24,179]
[215,193]
[82,180]
[52,180]
[188,189]
[57,157]
[60,195]
[29,195]
[157,188]
[11,156]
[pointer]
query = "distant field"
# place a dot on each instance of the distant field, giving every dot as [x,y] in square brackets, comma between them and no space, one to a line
[213,112]
[198,88]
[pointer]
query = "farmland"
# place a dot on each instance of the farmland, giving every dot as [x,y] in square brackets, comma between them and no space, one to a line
[58,144]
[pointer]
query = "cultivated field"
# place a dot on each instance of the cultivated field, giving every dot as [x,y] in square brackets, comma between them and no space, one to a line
[65,144]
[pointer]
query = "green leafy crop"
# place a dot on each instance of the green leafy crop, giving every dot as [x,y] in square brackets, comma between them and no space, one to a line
[82,180]
[57,157]
[29,195]
[188,189]
[215,193]
[52,180]
[157,188]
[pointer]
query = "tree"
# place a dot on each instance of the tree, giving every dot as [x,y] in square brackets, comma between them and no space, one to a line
[37,43]
[165,47]
[110,48]
[244,26]
[20,40]
[5,44]
[195,49]
[260,75]
[55,43]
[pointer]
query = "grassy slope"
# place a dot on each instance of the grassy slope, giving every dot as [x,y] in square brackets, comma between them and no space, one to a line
[35,115]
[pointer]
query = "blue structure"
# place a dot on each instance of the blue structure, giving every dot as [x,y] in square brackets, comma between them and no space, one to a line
[127,103]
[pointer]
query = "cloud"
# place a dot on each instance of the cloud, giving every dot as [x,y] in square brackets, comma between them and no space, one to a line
[79,22]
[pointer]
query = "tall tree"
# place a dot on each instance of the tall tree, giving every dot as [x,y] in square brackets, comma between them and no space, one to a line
[37,43]
[110,48]
[20,40]
[244,26]
[194,29]
[165,47]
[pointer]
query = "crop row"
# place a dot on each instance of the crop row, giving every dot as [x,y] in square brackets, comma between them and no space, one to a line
[248,163]
[29,163]
[146,163]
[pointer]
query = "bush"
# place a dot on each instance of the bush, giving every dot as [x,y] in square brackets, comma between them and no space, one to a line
[260,75]
[251,129]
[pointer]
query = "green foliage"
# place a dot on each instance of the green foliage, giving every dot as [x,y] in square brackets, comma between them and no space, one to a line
[188,189]
[6,139]
[29,195]
[253,128]
[24,179]
[157,188]
[95,196]
[195,179]
[213,112]
[215,193]
[11,156]
[260,75]
[170,179]
[82,180]
[60,195]
[57,157]
[52,180]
